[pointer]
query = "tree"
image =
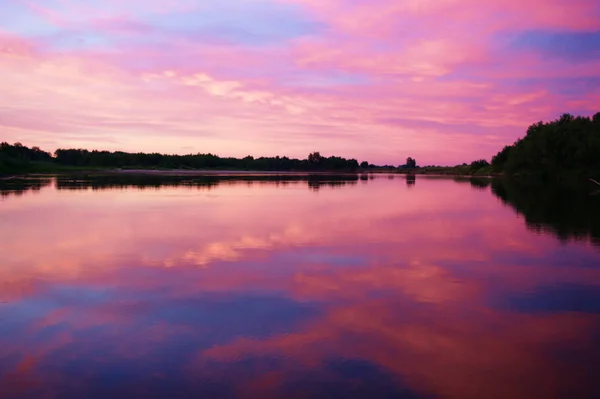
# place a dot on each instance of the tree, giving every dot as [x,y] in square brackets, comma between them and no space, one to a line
[500,159]
[315,159]
[568,146]
[411,162]
[364,164]
[481,163]
[18,158]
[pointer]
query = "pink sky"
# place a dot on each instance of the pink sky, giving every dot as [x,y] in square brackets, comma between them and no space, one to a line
[444,81]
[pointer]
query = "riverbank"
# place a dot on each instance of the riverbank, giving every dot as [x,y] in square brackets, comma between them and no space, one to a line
[462,171]
[224,172]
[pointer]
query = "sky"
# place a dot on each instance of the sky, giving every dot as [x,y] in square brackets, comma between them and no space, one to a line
[443,81]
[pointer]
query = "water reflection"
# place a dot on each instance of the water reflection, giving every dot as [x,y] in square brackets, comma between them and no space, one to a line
[144,181]
[480,183]
[565,211]
[19,186]
[267,290]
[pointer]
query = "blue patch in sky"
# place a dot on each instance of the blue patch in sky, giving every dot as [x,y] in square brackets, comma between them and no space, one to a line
[565,86]
[249,23]
[77,40]
[18,19]
[570,46]
[311,79]
[423,124]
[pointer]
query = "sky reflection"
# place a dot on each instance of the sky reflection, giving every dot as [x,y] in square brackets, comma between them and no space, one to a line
[435,289]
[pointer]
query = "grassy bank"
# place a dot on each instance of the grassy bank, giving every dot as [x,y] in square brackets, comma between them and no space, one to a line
[460,170]
[35,167]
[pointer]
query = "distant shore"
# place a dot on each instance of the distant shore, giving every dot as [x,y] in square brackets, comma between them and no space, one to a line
[187,172]
[450,172]
[425,172]
[204,172]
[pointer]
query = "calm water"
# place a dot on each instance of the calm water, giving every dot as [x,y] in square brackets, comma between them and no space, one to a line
[332,287]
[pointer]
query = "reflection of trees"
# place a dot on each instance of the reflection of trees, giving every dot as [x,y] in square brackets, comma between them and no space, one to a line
[21,186]
[114,181]
[480,184]
[566,212]
[104,182]
[411,180]
[318,184]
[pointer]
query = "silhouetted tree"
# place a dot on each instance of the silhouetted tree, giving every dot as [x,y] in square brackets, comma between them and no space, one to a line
[19,158]
[411,163]
[500,159]
[567,146]
[314,159]
[476,165]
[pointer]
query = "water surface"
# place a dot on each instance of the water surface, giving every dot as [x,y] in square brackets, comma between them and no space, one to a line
[263,286]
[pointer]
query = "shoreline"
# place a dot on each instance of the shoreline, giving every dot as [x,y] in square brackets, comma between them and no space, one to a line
[222,172]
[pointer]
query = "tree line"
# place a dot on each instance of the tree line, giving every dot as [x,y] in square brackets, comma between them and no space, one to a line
[85,158]
[567,146]
[18,158]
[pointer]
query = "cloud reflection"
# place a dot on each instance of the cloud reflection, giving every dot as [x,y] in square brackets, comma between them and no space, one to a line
[246,290]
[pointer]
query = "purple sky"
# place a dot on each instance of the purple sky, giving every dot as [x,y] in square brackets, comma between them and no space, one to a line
[444,81]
